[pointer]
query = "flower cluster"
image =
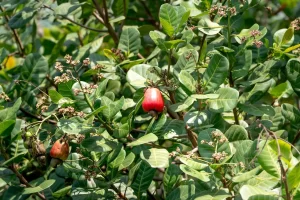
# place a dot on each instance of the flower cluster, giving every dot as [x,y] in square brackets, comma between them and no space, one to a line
[219,155]
[70,61]
[218,136]
[91,172]
[296,51]
[255,33]
[59,67]
[86,62]
[70,111]
[4,96]
[222,11]
[119,55]
[98,67]
[62,79]
[210,143]
[41,104]
[85,89]
[296,24]
[258,43]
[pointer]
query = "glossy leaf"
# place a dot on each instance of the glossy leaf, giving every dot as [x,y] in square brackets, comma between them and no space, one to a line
[216,72]
[227,100]
[156,157]
[144,139]
[130,41]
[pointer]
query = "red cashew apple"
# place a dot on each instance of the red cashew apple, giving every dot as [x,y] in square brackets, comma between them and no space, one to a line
[153,100]
[60,149]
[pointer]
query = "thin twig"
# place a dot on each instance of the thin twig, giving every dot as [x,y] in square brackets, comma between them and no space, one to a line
[16,36]
[81,25]
[152,20]
[36,117]
[283,172]
[104,16]
[16,172]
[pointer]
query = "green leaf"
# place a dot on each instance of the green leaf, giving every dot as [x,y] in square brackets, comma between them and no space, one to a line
[268,159]
[98,144]
[95,112]
[138,75]
[169,127]
[293,177]
[177,107]
[127,161]
[183,192]
[122,131]
[187,81]
[263,197]
[118,7]
[264,181]
[6,128]
[216,72]
[66,8]
[247,191]
[242,65]
[187,61]
[236,133]
[112,108]
[284,37]
[227,100]
[172,44]
[55,96]
[242,177]
[283,90]
[11,112]
[171,177]
[62,192]
[116,163]
[34,69]
[212,195]
[157,158]
[285,148]
[143,178]
[202,175]
[206,26]
[245,152]
[172,18]
[193,163]
[205,96]
[15,159]
[144,139]
[293,74]
[44,185]
[73,125]
[257,109]
[21,18]
[130,41]
[259,90]
[204,149]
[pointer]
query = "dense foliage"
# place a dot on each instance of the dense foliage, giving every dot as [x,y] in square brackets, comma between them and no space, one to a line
[220,79]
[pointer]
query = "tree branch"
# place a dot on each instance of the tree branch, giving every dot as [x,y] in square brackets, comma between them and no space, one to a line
[105,21]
